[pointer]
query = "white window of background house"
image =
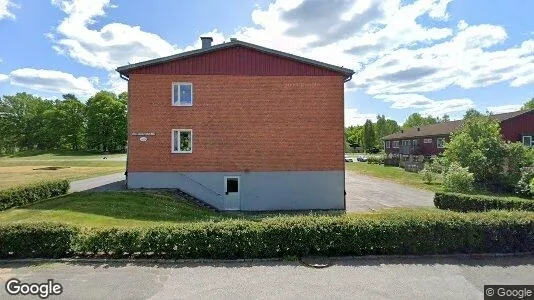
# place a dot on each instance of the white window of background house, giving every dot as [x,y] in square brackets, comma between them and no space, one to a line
[406,142]
[415,142]
[440,142]
[182,141]
[527,140]
[395,144]
[182,94]
[388,144]
[427,141]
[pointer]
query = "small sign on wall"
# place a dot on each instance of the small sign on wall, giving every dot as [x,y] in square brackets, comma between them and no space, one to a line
[143,139]
[143,133]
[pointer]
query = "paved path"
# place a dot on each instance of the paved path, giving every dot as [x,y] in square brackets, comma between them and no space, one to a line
[112,182]
[365,193]
[361,278]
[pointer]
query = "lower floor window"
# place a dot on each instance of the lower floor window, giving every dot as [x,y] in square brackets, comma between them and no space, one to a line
[440,142]
[182,141]
[527,140]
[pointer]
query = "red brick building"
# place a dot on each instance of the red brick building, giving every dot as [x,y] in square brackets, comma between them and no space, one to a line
[430,140]
[239,126]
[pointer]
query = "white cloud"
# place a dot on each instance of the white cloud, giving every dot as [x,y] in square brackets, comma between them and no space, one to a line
[52,81]
[3,77]
[353,117]
[427,106]
[108,47]
[503,108]
[384,41]
[116,84]
[5,9]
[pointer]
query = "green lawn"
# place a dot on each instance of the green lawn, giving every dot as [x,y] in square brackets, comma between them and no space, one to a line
[112,209]
[395,174]
[27,167]
[117,209]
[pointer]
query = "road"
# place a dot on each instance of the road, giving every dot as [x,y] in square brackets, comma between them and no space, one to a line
[365,193]
[112,182]
[349,278]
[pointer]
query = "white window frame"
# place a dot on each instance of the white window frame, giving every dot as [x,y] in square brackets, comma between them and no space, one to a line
[388,144]
[178,131]
[395,145]
[438,143]
[529,136]
[428,141]
[179,84]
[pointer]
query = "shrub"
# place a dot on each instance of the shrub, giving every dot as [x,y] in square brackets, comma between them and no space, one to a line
[518,157]
[458,179]
[466,203]
[376,159]
[320,235]
[428,175]
[47,240]
[377,234]
[523,186]
[32,193]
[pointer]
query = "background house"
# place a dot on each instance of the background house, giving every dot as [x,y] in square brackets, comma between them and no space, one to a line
[239,126]
[430,140]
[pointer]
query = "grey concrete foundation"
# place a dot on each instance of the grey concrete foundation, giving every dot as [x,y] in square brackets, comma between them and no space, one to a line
[291,190]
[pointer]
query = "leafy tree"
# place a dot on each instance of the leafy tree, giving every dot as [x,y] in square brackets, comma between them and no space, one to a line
[72,113]
[106,122]
[353,135]
[445,118]
[528,105]
[478,146]
[380,126]
[391,127]
[416,119]
[369,136]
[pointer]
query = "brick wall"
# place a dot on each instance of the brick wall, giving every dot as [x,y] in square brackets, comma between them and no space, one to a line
[239,123]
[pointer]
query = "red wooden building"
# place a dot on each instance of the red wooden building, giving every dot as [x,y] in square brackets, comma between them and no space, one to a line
[430,140]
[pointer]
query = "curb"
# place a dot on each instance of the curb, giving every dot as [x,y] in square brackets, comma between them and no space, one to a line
[252,260]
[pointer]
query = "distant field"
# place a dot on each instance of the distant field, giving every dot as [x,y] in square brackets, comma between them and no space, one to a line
[27,168]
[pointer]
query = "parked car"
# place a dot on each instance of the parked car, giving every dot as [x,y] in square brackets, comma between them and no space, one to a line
[361,158]
[348,158]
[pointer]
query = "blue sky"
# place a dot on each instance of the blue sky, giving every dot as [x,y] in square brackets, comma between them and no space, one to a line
[427,56]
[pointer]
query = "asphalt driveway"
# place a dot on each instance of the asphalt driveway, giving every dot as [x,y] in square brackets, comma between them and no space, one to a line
[112,182]
[365,193]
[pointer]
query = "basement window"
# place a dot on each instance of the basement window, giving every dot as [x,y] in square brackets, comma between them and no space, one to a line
[440,142]
[182,94]
[182,141]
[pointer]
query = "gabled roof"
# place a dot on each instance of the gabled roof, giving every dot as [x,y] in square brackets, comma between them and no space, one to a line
[445,128]
[124,70]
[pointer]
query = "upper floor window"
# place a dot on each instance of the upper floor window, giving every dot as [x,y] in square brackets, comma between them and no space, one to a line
[182,141]
[388,144]
[440,142]
[527,140]
[406,142]
[415,142]
[427,141]
[395,144]
[182,94]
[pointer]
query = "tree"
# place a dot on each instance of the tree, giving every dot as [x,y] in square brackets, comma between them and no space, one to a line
[353,135]
[106,122]
[73,115]
[391,127]
[478,145]
[369,136]
[528,105]
[380,126]
[416,119]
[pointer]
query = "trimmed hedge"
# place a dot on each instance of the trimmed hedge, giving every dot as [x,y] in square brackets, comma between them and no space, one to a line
[32,193]
[428,233]
[480,203]
[47,240]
